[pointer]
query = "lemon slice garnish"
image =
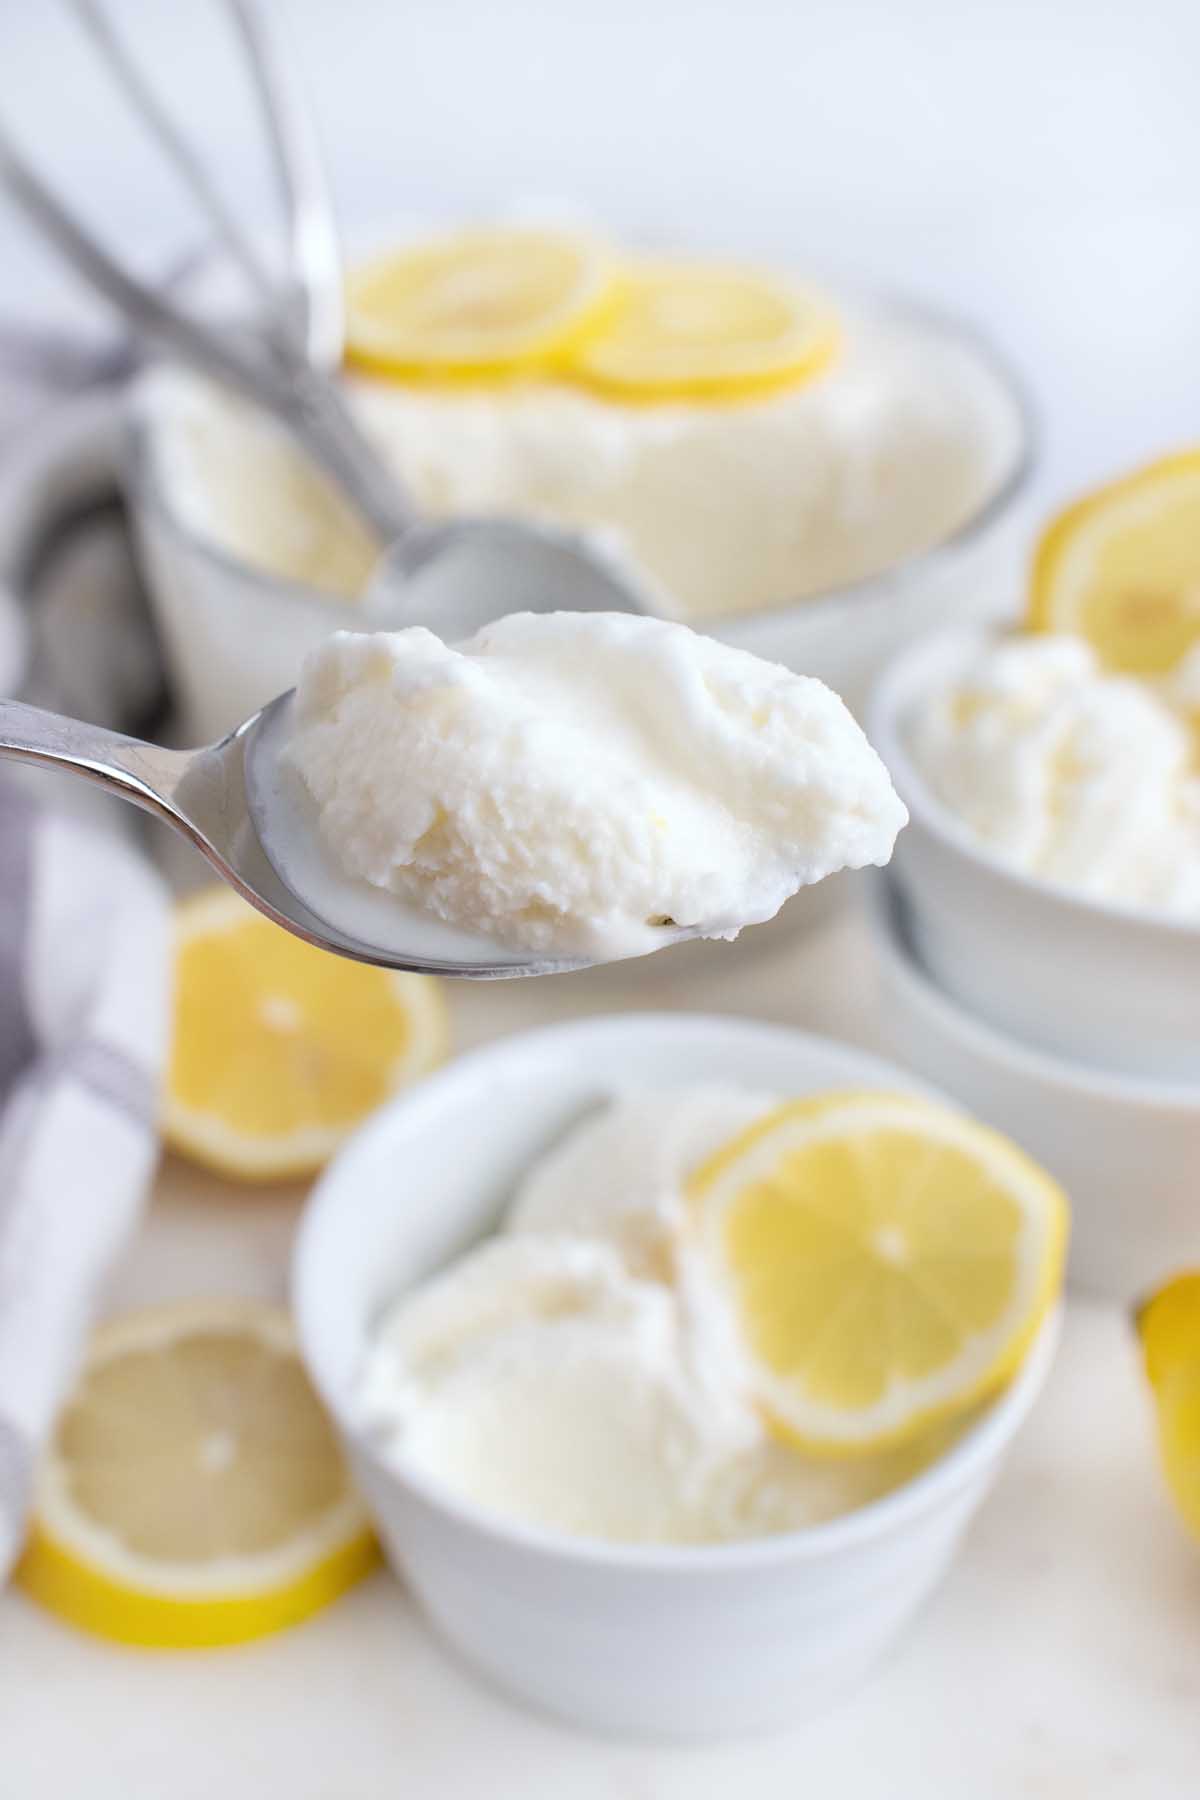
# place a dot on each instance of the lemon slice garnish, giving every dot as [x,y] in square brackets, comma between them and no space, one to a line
[887,1263]
[479,304]
[279,1049]
[1121,568]
[1169,1327]
[693,331]
[194,1492]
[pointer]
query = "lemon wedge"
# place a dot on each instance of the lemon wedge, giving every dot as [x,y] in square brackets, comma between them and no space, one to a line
[194,1493]
[279,1049]
[887,1262]
[1169,1327]
[695,331]
[478,304]
[1121,568]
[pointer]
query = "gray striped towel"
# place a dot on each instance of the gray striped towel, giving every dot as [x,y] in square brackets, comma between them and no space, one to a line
[83,1019]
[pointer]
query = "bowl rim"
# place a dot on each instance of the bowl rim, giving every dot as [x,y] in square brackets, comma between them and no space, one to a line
[886,906]
[892,697]
[148,492]
[56,469]
[968,1459]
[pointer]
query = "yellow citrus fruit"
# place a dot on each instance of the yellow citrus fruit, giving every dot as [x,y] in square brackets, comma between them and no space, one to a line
[694,331]
[1169,1328]
[279,1050]
[194,1493]
[887,1262]
[480,304]
[1122,568]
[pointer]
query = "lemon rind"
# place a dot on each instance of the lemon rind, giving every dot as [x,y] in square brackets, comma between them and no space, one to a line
[205,1139]
[52,1573]
[1056,588]
[1008,1343]
[730,378]
[377,349]
[82,1573]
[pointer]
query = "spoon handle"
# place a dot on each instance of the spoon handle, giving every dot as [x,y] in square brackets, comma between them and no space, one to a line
[312,407]
[139,772]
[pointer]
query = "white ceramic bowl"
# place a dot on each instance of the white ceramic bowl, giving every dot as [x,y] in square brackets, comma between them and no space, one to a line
[55,468]
[1108,985]
[683,1643]
[1127,1151]
[235,636]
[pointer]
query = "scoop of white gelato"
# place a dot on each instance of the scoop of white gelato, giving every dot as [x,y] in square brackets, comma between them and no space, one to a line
[1081,777]
[540,1378]
[578,1373]
[581,783]
[616,1176]
[728,508]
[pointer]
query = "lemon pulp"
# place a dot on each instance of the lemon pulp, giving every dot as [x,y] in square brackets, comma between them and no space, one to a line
[888,1262]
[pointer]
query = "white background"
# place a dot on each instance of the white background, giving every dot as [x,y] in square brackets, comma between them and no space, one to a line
[1036,161]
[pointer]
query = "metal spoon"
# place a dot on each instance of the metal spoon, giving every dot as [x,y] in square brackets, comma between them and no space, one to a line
[223,800]
[452,575]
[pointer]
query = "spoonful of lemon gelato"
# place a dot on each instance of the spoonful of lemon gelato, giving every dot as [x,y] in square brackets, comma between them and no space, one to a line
[579,786]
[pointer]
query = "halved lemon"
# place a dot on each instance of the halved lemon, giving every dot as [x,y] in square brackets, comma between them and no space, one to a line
[479,304]
[194,1493]
[1169,1327]
[279,1050]
[1122,568]
[696,331]
[887,1262]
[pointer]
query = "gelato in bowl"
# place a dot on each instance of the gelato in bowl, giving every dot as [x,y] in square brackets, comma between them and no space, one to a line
[1051,864]
[818,525]
[545,1413]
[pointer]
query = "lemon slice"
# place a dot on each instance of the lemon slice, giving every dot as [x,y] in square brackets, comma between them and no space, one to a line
[194,1493]
[693,331]
[887,1262]
[1122,568]
[280,1049]
[1169,1327]
[482,303]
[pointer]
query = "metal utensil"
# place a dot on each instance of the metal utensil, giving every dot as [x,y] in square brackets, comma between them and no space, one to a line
[453,575]
[202,794]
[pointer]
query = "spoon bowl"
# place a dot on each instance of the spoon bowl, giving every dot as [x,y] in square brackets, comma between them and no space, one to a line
[456,575]
[248,817]
[279,840]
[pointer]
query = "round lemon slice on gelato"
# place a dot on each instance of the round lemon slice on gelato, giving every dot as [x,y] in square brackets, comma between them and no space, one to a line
[194,1493]
[1121,567]
[695,331]
[478,304]
[887,1263]
[279,1049]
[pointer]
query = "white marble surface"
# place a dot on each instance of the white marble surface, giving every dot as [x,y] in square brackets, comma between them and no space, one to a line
[1059,1660]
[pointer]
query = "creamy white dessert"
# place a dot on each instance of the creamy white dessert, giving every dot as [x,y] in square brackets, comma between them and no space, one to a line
[1074,775]
[728,507]
[582,784]
[577,1372]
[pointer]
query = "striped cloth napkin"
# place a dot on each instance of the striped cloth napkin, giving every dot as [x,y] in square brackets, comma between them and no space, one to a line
[83,1019]
[84,967]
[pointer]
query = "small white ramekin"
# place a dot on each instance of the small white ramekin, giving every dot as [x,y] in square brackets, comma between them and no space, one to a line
[646,1641]
[1108,985]
[1126,1149]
